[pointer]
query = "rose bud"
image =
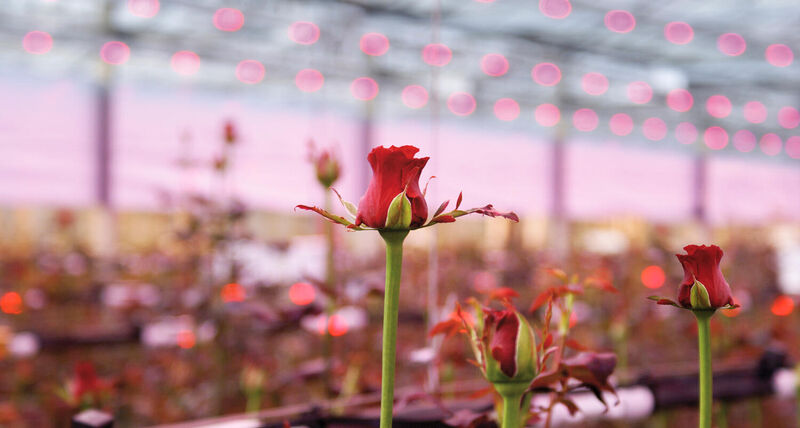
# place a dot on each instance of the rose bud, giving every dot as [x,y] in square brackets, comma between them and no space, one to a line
[506,347]
[703,286]
[327,168]
[395,184]
[229,132]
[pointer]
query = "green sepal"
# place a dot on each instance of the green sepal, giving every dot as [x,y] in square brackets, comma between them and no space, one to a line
[399,214]
[699,296]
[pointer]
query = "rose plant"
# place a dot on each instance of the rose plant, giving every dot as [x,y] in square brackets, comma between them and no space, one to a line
[394,205]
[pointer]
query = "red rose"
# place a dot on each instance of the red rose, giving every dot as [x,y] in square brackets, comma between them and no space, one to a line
[393,170]
[701,263]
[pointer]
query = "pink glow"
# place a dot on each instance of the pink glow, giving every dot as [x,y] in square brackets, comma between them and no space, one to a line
[731,44]
[680,100]
[744,141]
[415,96]
[37,42]
[547,115]
[620,21]
[546,74]
[585,120]
[250,71]
[755,112]
[506,109]
[716,138]
[494,64]
[115,53]
[654,129]
[461,103]
[640,92]
[364,88]
[789,117]
[437,54]
[679,33]
[309,80]
[686,133]
[185,62]
[375,44]
[793,147]
[779,55]
[228,19]
[556,9]
[770,144]
[594,83]
[621,124]
[303,32]
[718,106]
[143,8]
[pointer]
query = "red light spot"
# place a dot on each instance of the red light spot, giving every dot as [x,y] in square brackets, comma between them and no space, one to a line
[250,71]
[789,117]
[414,96]
[782,306]
[506,109]
[779,55]
[556,9]
[718,106]
[546,74]
[573,318]
[186,339]
[793,147]
[640,92]
[337,326]
[594,83]
[716,138]
[686,133]
[437,54]
[620,21]
[304,33]
[621,124]
[375,44]
[228,19]
[461,103]
[770,144]
[364,88]
[654,129]
[653,277]
[115,53]
[680,100]
[755,112]
[37,42]
[302,293]
[309,80]
[494,64]
[744,141]
[678,32]
[584,120]
[144,8]
[547,115]
[185,63]
[11,303]
[731,44]
[232,292]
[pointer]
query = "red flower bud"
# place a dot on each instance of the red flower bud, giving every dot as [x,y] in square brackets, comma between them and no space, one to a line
[393,170]
[701,263]
[508,345]
[327,168]
[230,132]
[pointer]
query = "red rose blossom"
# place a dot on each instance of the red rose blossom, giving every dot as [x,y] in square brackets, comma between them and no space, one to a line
[702,263]
[394,194]
[393,170]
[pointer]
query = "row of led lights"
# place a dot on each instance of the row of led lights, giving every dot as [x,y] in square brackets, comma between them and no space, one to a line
[364,88]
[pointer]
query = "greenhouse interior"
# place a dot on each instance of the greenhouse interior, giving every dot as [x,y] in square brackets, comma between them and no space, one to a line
[420,213]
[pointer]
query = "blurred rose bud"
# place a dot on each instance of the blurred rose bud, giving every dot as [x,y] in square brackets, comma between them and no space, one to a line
[230,132]
[327,168]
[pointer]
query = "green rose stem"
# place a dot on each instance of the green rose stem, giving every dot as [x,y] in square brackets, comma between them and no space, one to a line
[704,345]
[512,393]
[394,266]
